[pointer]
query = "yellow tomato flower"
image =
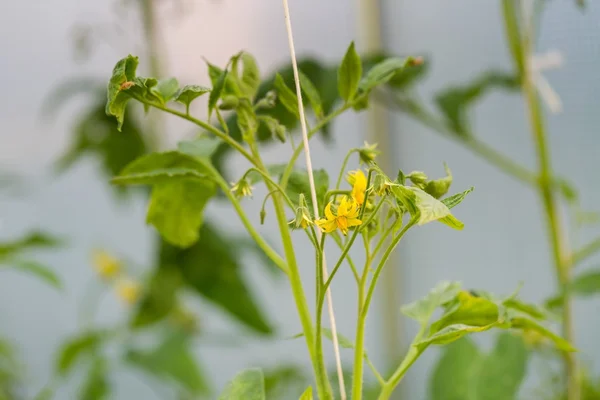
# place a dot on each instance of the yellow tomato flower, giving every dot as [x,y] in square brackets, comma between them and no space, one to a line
[347,216]
[128,291]
[105,265]
[358,180]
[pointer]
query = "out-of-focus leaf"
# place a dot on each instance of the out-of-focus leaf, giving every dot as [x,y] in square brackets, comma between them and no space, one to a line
[501,373]
[383,72]
[454,375]
[77,347]
[308,394]
[69,89]
[286,96]
[212,268]
[96,135]
[454,102]
[172,359]
[159,299]
[249,81]
[37,269]
[283,380]
[526,323]
[96,385]
[33,240]
[312,94]
[248,385]
[299,183]
[464,373]
[422,310]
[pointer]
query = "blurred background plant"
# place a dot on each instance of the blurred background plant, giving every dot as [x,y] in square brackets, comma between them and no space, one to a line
[163,325]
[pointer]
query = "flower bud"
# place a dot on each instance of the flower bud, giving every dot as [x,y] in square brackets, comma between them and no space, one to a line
[368,153]
[303,219]
[417,177]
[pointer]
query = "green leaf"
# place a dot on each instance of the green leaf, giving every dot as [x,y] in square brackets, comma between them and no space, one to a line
[187,94]
[501,373]
[217,90]
[247,385]
[201,148]
[312,94]
[159,299]
[176,209]
[454,102]
[35,268]
[468,310]
[308,394]
[286,96]
[349,74]
[212,268]
[456,199]
[526,323]
[166,89]
[464,373]
[172,359]
[586,283]
[277,130]
[247,122]
[158,168]
[422,310]
[449,334]
[76,348]
[250,79]
[383,72]
[425,207]
[532,310]
[96,385]
[181,189]
[299,183]
[439,187]
[455,373]
[283,380]
[124,71]
[33,240]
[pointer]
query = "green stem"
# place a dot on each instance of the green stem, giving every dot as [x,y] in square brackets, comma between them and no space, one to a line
[411,356]
[359,341]
[562,262]
[343,168]
[476,146]
[338,241]
[204,125]
[269,252]
[318,362]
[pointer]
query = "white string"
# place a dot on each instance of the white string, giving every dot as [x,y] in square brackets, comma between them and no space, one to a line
[313,194]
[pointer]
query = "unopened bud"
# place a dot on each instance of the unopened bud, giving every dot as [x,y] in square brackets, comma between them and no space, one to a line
[229,102]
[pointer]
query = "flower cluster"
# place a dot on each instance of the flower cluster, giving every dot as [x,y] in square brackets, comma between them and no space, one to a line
[346,214]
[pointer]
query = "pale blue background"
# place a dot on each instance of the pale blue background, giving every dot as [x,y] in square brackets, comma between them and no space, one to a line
[504,241]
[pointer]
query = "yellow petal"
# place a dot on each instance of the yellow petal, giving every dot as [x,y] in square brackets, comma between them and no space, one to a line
[328,212]
[354,222]
[327,226]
